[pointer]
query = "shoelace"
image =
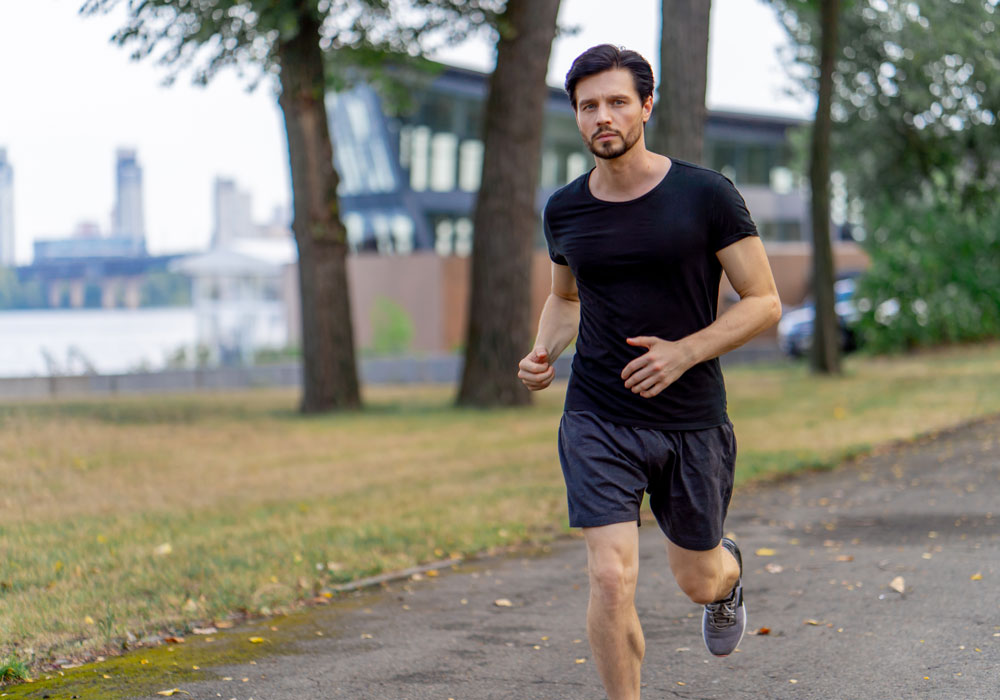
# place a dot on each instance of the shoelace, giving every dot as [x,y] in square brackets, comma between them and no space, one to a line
[723,613]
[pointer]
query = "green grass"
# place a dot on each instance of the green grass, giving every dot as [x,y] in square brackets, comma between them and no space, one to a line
[13,671]
[134,515]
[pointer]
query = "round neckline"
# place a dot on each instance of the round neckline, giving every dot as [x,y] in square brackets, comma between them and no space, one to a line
[644,195]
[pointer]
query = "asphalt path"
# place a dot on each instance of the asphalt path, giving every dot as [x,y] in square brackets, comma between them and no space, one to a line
[878,580]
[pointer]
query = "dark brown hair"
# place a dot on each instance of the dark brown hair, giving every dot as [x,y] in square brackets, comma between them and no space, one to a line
[598,59]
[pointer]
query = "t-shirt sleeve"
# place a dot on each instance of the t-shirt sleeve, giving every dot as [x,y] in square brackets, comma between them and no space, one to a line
[730,217]
[554,253]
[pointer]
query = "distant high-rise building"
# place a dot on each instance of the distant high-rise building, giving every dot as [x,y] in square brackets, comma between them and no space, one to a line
[6,211]
[232,213]
[129,221]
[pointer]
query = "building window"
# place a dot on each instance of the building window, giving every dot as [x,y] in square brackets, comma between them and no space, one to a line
[420,139]
[402,234]
[576,165]
[470,165]
[781,230]
[444,152]
[444,231]
[463,237]
[550,169]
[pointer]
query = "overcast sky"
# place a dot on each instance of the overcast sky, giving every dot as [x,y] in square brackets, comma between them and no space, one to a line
[68,99]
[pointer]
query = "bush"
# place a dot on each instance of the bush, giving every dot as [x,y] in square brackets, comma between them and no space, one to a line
[392,328]
[934,278]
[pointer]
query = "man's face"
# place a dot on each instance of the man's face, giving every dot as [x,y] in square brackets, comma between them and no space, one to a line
[609,112]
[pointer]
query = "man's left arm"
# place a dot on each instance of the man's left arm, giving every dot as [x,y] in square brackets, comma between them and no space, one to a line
[759,308]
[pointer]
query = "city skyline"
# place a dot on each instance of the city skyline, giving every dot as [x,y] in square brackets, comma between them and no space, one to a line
[7,232]
[188,136]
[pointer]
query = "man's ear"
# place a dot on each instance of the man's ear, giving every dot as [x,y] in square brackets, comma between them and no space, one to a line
[647,109]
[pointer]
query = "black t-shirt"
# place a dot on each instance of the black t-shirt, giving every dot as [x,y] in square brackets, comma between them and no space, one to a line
[646,267]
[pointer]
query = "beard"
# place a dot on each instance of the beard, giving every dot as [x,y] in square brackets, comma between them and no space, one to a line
[616,147]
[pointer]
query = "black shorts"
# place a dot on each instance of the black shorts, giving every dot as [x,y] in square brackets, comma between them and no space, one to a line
[687,473]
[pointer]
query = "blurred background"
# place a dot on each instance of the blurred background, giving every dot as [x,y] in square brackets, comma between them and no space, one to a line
[146,228]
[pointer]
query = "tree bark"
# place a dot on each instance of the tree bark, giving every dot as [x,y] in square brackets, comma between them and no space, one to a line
[498,333]
[329,371]
[825,356]
[679,119]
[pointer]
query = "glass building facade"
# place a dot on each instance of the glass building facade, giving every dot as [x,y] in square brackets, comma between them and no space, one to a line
[409,180]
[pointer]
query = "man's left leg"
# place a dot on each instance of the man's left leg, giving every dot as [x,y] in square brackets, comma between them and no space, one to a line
[705,577]
[712,578]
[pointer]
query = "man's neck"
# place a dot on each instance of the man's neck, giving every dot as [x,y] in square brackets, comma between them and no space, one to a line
[630,175]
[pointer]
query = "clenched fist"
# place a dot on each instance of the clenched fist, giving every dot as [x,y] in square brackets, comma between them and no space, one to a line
[534,370]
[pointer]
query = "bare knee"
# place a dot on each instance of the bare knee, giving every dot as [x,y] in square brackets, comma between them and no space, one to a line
[700,588]
[612,583]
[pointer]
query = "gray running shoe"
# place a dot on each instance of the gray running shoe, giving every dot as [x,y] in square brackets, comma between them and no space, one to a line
[725,621]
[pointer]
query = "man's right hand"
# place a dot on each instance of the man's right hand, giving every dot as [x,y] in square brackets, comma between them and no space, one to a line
[534,370]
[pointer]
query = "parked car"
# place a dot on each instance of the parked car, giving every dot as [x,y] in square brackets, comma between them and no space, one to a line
[795,329]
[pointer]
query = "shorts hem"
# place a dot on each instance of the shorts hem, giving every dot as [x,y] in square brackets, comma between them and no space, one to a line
[699,546]
[605,520]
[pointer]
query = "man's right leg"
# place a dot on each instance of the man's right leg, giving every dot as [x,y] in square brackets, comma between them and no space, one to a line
[612,623]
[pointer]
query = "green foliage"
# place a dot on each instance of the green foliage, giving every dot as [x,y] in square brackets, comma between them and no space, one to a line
[13,671]
[915,110]
[914,102]
[165,289]
[934,276]
[392,328]
[273,356]
[210,35]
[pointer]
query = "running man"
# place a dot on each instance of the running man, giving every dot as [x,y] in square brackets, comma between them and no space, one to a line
[638,246]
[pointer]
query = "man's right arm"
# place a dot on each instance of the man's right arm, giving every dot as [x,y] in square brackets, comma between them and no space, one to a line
[557,327]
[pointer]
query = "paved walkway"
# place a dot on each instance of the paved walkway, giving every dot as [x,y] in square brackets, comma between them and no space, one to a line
[822,554]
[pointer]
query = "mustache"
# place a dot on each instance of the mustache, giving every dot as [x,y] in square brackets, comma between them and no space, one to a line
[601,132]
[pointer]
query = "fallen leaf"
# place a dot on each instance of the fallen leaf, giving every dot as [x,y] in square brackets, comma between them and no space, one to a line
[256,640]
[163,550]
[223,624]
[503,603]
[763,631]
[773,568]
[88,620]
[765,552]
[898,584]
[581,661]
[143,661]
[433,573]
[190,605]
[204,630]
[810,621]
[174,640]
[976,577]
[845,557]
[173,691]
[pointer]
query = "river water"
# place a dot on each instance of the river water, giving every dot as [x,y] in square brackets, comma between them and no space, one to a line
[112,341]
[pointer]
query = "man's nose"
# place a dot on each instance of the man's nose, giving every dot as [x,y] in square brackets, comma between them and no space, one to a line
[603,115]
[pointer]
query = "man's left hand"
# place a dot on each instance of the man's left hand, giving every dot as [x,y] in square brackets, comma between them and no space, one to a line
[652,372]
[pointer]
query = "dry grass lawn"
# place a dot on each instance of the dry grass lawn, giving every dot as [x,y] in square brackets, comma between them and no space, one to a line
[139,514]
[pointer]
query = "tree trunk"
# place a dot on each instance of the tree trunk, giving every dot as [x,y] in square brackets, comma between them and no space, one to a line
[826,330]
[498,333]
[329,372]
[679,118]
